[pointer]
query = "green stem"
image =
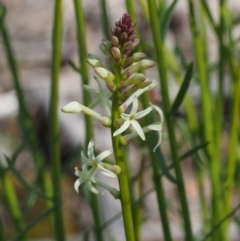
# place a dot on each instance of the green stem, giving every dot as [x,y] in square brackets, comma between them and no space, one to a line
[2,234]
[25,120]
[154,159]
[11,200]
[82,55]
[207,119]
[123,177]
[170,125]
[106,27]
[233,142]
[54,124]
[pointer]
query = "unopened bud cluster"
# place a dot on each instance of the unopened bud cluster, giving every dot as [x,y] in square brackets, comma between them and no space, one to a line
[127,82]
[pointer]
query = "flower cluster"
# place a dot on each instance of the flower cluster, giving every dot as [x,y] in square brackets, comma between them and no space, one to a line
[128,82]
[91,165]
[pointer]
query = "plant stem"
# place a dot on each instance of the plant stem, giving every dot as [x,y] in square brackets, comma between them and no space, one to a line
[26,123]
[207,120]
[170,125]
[106,27]
[11,200]
[233,142]
[154,159]
[122,177]
[82,55]
[54,123]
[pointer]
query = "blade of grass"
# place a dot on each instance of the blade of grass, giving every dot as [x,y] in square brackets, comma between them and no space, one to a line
[11,199]
[105,19]
[221,222]
[183,90]
[166,19]
[28,186]
[35,221]
[75,67]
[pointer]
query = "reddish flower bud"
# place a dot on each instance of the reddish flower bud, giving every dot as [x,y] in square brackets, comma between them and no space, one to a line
[124,29]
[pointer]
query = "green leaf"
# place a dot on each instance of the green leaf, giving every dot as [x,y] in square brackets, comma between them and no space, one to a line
[184,87]
[166,19]
[194,150]
[74,66]
[34,222]
[24,182]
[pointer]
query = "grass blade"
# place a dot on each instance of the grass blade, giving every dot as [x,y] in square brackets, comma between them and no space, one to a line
[184,87]
[166,18]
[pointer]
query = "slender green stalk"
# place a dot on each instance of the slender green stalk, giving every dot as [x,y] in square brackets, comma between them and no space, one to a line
[106,26]
[170,125]
[233,142]
[11,200]
[25,120]
[82,55]
[156,178]
[123,177]
[207,119]
[54,123]
[2,234]
[138,209]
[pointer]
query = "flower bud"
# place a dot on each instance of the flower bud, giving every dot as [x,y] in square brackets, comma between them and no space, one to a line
[135,43]
[75,107]
[146,64]
[136,87]
[130,70]
[118,122]
[136,79]
[94,63]
[105,47]
[124,140]
[127,47]
[123,36]
[116,53]
[135,58]
[107,76]
[113,168]
[115,41]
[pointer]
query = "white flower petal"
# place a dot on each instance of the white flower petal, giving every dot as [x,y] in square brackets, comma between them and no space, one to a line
[76,171]
[103,155]
[134,106]
[142,113]
[155,126]
[77,184]
[138,129]
[106,172]
[159,112]
[125,116]
[92,188]
[72,107]
[85,160]
[125,125]
[90,89]
[90,150]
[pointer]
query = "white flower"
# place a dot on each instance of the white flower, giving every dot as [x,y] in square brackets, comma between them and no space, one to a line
[137,93]
[95,162]
[157,126]
[101,97]
[130,119]
[85,176]
[74,107]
